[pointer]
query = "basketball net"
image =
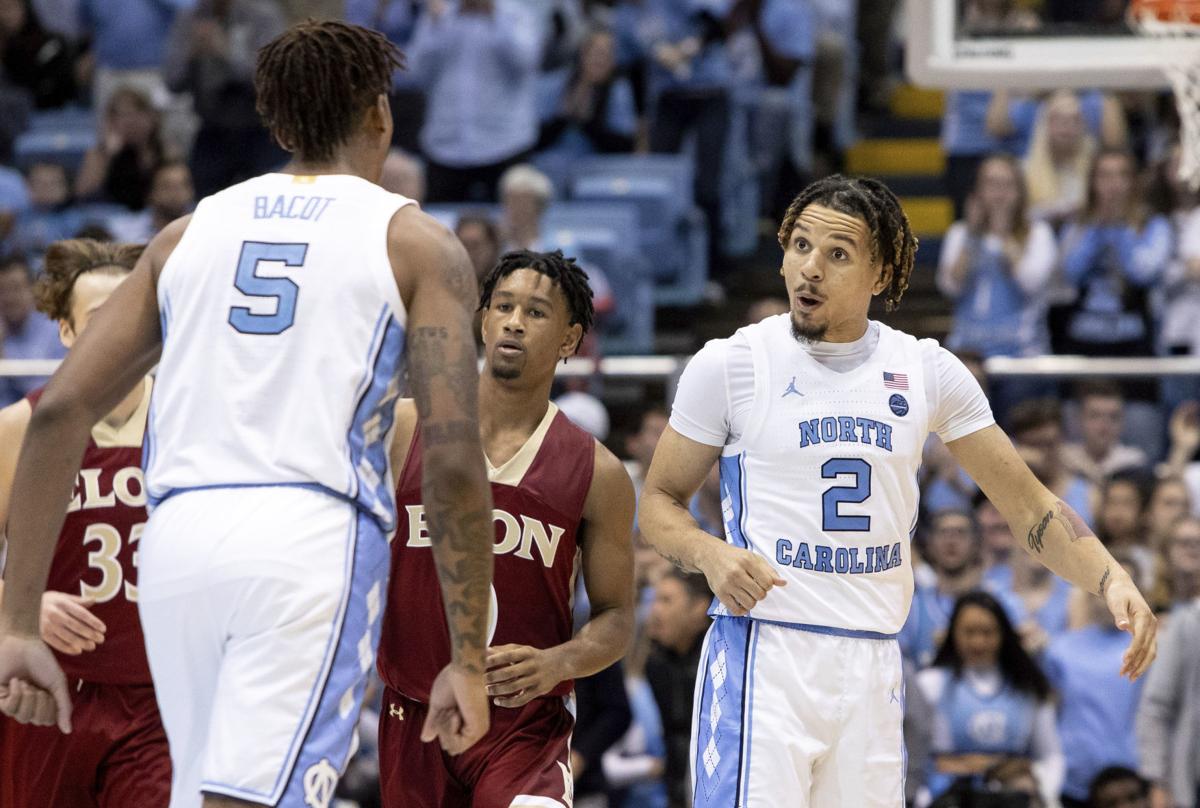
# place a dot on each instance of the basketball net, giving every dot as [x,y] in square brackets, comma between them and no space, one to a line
[1178,20]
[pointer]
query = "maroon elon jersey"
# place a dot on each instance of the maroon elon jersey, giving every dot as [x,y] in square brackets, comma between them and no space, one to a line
[538,497]
[96,553]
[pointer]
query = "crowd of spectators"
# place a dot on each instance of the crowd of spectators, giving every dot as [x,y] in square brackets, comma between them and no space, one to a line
[1073,235]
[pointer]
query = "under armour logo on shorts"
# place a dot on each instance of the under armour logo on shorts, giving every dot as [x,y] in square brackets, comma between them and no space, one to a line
[320,781]
[395,712]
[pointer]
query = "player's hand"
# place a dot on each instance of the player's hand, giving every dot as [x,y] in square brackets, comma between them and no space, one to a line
[67,624]
[739,578]
[33,689]
[458,710]
[518,674]
[1132,614]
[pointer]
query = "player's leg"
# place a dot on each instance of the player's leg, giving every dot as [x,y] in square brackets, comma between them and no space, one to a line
[865,767]
[41,766]
[791,714]
[297,581]
[137,767]
[412,773]
[527,760]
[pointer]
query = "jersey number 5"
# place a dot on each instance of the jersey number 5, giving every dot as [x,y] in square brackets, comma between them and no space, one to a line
[283,291]
[835,495]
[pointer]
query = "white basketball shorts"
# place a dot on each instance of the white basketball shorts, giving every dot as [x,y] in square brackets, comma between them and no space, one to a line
[803,718]
[261,608]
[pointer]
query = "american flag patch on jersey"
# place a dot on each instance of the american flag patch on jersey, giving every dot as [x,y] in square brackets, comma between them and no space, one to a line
[895,381]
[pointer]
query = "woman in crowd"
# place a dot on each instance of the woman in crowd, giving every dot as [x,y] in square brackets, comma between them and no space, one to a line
[995,266]
[992,702]
[1060,154]
[121,166]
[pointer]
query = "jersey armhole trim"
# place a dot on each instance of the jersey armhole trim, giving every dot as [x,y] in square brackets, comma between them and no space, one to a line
[755,417]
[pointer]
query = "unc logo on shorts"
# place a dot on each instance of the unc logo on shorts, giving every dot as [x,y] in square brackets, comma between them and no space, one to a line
[899,404]
[319,783]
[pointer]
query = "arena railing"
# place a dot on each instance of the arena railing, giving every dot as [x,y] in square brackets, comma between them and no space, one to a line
[667,368]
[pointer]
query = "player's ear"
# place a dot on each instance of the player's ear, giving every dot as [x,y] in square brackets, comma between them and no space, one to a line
[379,116]
[884,280]
[66,333]
[570,343]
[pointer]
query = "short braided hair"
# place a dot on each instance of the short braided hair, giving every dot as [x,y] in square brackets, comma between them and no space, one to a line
[892,241]
[567,274]
[315,79]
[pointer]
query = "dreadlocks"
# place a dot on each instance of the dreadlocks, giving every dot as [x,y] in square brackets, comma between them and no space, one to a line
[314,81]
[892,241]
[571,279]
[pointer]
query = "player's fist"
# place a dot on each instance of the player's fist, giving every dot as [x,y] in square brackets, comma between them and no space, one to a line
[33,689]
[739,578]
[518,674]
[68,626]
[458,709]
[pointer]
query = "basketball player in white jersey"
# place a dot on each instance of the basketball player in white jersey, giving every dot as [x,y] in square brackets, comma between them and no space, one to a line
[280,315]
[817,418]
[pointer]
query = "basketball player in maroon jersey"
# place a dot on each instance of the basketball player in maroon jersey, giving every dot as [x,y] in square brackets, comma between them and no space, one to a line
[563,504]
[117,754]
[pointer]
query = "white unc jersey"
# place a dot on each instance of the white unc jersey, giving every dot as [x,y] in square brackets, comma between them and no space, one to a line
[283,343]
[823,480]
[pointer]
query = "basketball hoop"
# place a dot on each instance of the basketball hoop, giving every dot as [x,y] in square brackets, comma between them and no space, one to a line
[1178,22]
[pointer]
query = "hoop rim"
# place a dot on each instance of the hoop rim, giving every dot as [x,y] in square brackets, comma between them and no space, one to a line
[1165,18]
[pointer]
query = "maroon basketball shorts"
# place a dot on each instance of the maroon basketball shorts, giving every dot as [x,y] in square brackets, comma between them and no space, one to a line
[524,761]
[115,757]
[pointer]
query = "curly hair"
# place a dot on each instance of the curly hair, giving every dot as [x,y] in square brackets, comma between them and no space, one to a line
[315,79]
[567,274]
[67,260]
[892,241]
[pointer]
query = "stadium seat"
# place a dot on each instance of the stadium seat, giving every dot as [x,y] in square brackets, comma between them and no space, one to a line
[57,136]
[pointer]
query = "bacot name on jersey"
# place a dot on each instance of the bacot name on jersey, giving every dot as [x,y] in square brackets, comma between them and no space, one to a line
[518,534]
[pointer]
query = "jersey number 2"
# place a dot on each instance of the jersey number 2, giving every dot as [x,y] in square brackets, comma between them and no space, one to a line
[835,495]
[283,291]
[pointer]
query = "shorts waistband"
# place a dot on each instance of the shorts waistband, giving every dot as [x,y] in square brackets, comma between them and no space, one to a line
[831,631]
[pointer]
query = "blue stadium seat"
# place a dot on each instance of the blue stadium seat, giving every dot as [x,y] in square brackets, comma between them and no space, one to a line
[63,146]
[599,235]
[672,232]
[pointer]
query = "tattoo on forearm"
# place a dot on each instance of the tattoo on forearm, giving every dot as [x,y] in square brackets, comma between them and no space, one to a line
[1036,542]
[1065,516]
[1104,581]
[679,562]
[462,551]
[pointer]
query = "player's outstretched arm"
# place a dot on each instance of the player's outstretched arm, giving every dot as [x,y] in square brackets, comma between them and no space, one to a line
[739,578]
[438,287]
[1053,533]
[518,673]
[119,347]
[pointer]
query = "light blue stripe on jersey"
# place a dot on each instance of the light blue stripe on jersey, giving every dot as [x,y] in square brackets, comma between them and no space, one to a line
[733,491]
[148,442]
[721,714]
[372,423]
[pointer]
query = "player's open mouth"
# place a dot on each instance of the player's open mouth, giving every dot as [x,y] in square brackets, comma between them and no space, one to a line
[510,348]
[807,303]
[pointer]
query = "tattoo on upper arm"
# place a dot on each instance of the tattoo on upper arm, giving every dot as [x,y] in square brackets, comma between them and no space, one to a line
[1104,581]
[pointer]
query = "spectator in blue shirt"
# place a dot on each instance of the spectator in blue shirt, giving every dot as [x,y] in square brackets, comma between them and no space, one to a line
[477,61]
[50,216]
[1096,707]
[129,42]
[25,333]
[1036,427]
[951,547]
[1113,257]
[591,107]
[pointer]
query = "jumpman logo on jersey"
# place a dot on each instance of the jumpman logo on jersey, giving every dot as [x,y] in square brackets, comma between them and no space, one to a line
[893,699]
[791,389]
[395,712]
